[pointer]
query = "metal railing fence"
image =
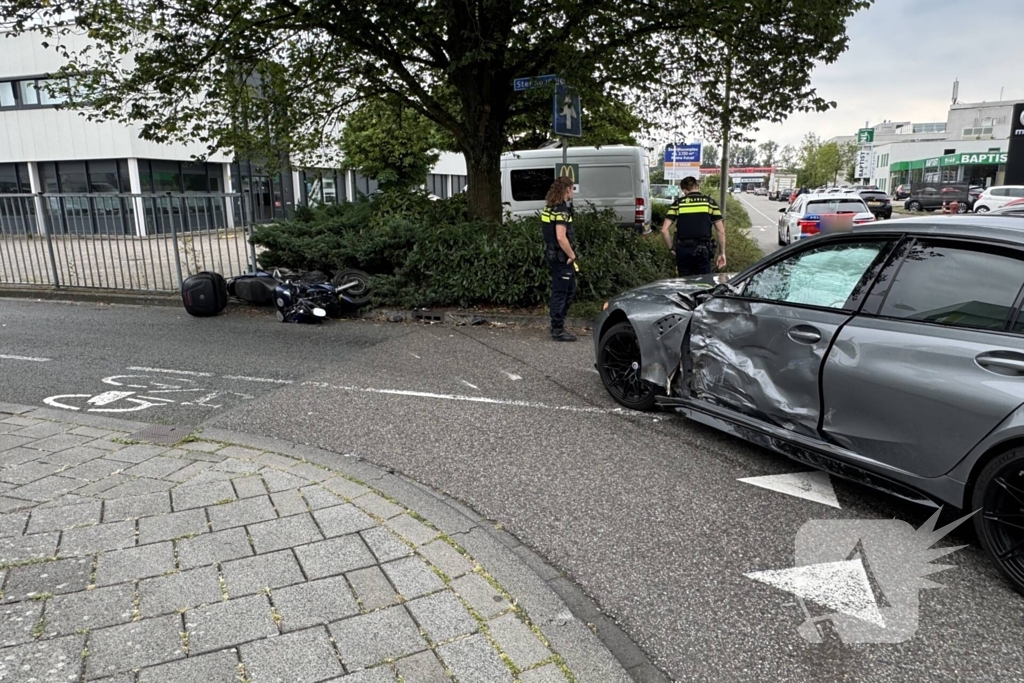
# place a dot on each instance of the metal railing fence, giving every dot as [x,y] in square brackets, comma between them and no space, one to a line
[133,242]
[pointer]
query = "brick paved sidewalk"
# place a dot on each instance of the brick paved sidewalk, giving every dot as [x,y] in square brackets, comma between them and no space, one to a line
[208,562]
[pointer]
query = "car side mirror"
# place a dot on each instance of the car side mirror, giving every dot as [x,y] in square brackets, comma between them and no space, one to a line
[784,210]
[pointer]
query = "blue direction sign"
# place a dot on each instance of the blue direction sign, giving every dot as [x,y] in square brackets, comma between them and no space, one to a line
[521,84]
[683,154]
[567,113]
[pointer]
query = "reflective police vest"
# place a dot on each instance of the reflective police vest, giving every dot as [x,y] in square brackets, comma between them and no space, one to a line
[549,217]
[694,214]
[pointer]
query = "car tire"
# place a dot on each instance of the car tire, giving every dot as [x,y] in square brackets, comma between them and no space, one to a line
[961,207]
[981,209]
[994,498]
[619,363]
[914,207]
[782,242]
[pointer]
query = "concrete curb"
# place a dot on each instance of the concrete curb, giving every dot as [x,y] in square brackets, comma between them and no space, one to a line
[99,296]
[106,296]
[466,317]
[592,645]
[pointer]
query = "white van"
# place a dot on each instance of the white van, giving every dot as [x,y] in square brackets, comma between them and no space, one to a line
[614,177]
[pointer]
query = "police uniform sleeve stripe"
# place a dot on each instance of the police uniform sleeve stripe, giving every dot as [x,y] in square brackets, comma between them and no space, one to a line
[716,213]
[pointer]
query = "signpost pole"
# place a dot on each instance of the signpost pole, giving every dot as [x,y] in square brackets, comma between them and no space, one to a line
[565,152]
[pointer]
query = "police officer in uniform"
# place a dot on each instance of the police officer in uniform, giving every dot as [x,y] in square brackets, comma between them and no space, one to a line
[560,253]
[694,214]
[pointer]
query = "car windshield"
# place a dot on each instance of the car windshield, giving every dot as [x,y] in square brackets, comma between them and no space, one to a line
[819,277]
[836,206]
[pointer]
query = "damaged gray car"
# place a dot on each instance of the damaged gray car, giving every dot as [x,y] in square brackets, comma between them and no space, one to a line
[891,355]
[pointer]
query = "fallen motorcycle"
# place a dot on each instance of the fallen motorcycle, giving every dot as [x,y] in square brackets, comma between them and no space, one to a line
[304,296]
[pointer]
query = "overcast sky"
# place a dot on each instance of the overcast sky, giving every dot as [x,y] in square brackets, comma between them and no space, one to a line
[902,59]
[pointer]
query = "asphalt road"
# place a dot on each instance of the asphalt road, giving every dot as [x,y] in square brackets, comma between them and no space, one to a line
[764,219]
[644,512]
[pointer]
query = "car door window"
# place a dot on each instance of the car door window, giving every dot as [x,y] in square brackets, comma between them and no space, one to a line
[1017,192]
[824,276]
[956,284]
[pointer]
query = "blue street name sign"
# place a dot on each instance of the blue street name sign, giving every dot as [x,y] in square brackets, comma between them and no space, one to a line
[567,113]
[521,84]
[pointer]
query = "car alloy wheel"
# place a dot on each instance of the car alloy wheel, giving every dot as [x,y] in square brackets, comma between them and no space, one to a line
[914,207]
[981,209]
[619,363]
[999,492]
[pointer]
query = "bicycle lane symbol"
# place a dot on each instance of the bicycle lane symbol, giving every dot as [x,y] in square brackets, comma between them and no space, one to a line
[123,401]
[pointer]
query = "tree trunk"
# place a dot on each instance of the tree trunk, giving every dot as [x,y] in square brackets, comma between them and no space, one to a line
[724,181]
[483,168]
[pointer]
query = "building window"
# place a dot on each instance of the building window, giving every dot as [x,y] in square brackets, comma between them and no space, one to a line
[29,93]
[7,95]
[437,185]
[14,179]
[364,186]
[981,130]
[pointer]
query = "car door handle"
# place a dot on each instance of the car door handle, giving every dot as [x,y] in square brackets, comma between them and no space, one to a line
[1006,361]
[805,335]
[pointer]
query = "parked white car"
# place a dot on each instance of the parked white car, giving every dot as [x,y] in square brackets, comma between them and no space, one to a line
[804,217]
[612,177]
[997,197]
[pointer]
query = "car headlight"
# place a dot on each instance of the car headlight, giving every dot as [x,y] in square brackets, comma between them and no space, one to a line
[605,306]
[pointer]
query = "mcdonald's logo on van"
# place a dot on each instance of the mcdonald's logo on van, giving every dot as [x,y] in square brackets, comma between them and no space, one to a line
[571,171]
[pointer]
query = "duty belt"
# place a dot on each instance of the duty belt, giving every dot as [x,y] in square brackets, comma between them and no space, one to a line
[695,242]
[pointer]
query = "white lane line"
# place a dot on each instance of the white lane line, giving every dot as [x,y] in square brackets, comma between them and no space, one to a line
[471,386]
[514,378]
[480,399]
[265,380]
[172,372]
[766,216]
[414,356]
[28,358]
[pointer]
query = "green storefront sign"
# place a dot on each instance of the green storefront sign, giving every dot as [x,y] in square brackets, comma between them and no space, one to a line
[974,159]
[964,159]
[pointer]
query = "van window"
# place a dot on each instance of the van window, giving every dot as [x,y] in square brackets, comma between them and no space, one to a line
[532,184]
[606,181]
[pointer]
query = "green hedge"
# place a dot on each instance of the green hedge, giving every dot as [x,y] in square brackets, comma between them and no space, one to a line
[425,253]
[740,248]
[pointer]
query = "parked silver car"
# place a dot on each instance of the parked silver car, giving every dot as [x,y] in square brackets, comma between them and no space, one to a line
[891,354]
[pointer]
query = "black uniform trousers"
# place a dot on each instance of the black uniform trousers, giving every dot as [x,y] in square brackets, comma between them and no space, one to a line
[563,291]
[694,259]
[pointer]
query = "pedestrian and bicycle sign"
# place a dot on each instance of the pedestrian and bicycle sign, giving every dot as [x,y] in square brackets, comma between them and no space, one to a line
[567,113]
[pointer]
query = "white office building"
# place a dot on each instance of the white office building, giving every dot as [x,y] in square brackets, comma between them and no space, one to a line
[46,149]
[969,147]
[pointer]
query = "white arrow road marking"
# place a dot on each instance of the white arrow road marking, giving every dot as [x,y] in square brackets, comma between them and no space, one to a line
[814,486]
[842,586]
[471,386]
[28,358]
[514,378]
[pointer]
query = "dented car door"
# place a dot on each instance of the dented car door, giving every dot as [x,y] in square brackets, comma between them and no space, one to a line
[759,350]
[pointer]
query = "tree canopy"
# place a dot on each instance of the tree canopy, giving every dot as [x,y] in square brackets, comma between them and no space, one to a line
[279,75]
[821,162]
